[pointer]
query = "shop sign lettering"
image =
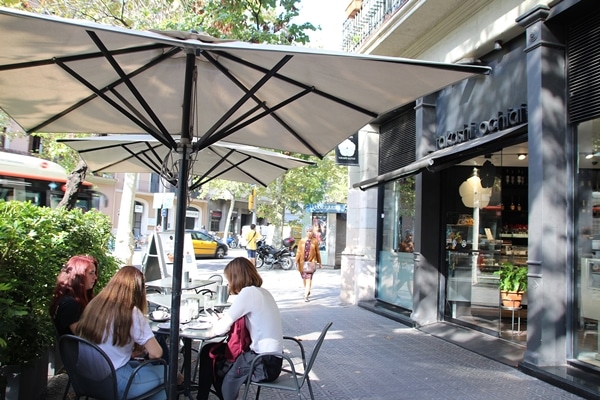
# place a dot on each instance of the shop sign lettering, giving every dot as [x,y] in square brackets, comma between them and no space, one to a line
[513,117]
[326,208]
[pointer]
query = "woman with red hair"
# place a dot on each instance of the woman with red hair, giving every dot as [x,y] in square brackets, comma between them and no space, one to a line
[73,291]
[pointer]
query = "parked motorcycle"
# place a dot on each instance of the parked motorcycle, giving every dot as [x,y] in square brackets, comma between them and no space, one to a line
[232,242]
[268,256]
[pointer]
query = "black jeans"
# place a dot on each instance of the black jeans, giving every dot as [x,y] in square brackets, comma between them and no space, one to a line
[206,375]
[237,375]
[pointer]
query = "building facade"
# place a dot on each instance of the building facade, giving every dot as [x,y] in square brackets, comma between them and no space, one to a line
[491,171]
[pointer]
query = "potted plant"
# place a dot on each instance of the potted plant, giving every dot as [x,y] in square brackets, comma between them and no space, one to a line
[512,283]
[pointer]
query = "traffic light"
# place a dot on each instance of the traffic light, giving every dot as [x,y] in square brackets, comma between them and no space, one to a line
[251,200]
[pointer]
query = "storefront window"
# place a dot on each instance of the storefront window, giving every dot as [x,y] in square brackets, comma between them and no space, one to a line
[486,239]
[396,258]
[587,274]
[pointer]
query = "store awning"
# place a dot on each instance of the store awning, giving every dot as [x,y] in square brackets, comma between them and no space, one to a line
[450,156]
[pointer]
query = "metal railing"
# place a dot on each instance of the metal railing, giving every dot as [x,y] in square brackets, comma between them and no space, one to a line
[372,14]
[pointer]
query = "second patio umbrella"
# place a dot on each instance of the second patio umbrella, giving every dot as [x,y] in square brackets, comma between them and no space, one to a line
[143,153]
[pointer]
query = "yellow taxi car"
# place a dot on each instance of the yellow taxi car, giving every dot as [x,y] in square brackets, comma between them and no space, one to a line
[206,245]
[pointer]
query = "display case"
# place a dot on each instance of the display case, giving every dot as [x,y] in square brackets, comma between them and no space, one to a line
[590,294]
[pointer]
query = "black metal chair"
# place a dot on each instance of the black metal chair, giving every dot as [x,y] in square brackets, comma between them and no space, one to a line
[290,379]
[92,374]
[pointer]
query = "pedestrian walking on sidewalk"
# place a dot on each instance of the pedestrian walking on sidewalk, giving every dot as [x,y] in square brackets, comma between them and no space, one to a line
[251,238]
[308,251]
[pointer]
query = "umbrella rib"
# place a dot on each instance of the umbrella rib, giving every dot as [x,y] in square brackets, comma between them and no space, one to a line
[270,111]
[249,93]
[125,79]
[200,182]
[197,145]
[80,57]
[99,93]
[236,165]
[147,161]
[272,164]
[114,104]
[221,161]
[258,101]
[154,167]
[294,82]
[224,159]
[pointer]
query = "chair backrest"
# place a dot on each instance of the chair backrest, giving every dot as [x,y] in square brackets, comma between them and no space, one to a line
[213,286]
[316,349]
[90,370]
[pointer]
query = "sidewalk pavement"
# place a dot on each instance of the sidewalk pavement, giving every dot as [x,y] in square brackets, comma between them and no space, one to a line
[367,356]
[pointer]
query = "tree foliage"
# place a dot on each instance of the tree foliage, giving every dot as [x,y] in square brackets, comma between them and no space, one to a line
[256,21]
[325,182]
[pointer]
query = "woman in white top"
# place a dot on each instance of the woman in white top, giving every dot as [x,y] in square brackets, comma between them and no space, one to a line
[263,322]
[115,321]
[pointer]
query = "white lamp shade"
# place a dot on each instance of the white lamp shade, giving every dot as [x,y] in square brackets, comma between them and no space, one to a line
[473,194]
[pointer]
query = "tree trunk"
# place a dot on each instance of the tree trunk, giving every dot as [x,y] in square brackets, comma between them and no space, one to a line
[74,182]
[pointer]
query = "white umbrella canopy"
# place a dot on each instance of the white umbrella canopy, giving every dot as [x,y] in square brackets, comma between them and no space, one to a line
[143,153]
[60,75]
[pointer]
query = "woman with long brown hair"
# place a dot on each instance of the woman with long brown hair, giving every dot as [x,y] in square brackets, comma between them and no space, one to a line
[73,291]
[115,321]
[308,250]
[262,320]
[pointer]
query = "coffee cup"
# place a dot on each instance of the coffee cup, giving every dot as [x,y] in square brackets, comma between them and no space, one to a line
[159,314]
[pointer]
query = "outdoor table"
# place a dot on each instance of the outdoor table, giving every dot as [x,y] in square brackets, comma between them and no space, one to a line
[188,335]
[163,300]
[194,284]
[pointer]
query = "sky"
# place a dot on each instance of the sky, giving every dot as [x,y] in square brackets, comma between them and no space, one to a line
[330,14]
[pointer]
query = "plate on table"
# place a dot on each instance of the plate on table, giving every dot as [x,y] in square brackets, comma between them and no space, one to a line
[198,325]
[164,325]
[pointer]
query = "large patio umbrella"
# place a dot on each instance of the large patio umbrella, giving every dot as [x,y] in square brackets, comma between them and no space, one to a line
[60,75]
[222,160]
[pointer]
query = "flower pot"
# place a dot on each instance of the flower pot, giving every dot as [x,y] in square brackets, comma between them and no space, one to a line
[511,299]
[25,382]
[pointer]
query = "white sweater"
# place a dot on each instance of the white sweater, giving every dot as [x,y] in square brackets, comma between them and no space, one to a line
[263,319]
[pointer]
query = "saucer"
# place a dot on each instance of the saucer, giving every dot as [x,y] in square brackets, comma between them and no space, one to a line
[168,317]
[166,326]
[199,325]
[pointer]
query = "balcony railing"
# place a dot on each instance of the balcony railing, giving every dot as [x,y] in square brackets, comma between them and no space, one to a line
[364,18]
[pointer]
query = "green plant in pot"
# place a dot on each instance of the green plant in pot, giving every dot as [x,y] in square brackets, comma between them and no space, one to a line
[512,283]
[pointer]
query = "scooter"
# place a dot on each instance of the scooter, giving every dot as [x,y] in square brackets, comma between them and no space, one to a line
[232,242]
[268,256]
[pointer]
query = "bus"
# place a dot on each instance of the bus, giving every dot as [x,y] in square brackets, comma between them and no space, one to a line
[42,182]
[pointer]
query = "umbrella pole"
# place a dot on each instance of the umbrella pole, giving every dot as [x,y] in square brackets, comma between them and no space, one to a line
[184,149]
